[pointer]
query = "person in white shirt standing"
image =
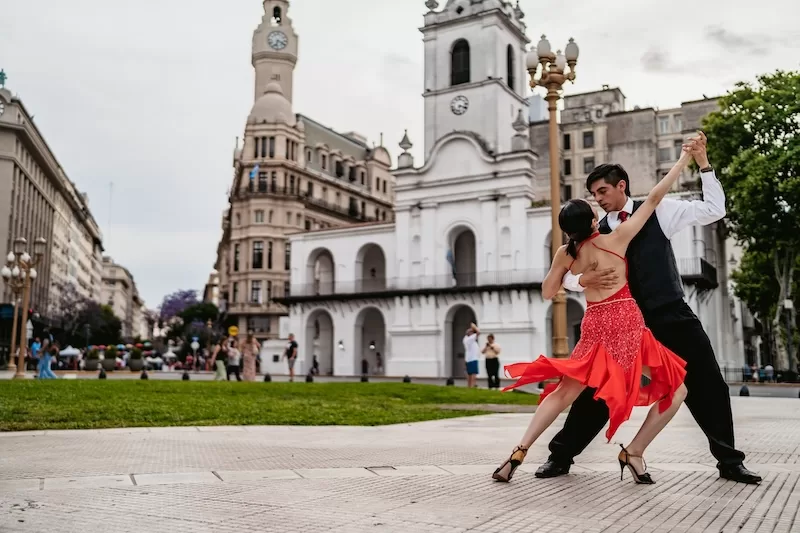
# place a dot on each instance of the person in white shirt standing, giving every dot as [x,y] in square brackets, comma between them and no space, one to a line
[472,354]
[657,287]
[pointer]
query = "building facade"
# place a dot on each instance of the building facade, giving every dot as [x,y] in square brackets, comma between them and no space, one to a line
[468,243]
[291,174]
[38,200]
[121,294]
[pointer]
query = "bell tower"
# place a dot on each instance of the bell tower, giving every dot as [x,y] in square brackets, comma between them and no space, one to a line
[274,49]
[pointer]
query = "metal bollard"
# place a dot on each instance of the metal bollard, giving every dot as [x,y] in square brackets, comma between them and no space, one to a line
[102,374]
[309,378]
[364,378]
[144,375]
[407,379]
[451,382]
[267,378]
[744,391]
[185,375]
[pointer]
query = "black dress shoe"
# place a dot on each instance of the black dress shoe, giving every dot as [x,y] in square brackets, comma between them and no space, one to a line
[739,474]
[552,469]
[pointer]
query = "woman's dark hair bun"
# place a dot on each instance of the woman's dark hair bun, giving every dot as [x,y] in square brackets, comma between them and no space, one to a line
[576,220]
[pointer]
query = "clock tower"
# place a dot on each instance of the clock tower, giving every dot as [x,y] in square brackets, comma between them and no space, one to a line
[475,78]
[274,49]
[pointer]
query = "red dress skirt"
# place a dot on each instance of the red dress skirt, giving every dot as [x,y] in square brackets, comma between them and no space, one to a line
[614,346]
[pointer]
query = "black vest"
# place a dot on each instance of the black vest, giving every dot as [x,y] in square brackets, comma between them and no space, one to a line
[652,271]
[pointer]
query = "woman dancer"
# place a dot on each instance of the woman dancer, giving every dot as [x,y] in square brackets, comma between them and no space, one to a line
[615,349]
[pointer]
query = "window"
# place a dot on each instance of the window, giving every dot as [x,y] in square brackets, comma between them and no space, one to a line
[567,192]
[236,292]
[363,209]
[352,174]
[258,142]
[269,291]
[363,177]
[459,63]
[598,113]
[255,292]
[678,123]
[236,252]
[568,167]
[377,214]
[383,215]
[324,162]
[287,256]
[377,184]
[274,181]
[588,164]
[309,155]
[325,194]
[299,219]
[238,219]
[588,139]
[338,199]
[339,169]
[258,255]
[308,225]
[259,216]
[276,16]
[510,66]
[310,189]
[567,141]
[663,125]
[291,184]
[269,255]
[664,154]
[289,219]
[262,182]
[272,146]
[286,288]
[384,186]
[263,147]
[678,148]
[270,216]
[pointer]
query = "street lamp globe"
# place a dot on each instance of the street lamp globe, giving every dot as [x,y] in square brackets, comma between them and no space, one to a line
[20,243]
[39,246]
[571,51]
[25,257]
[544,47]
[6,273]
[15,272]
[11,257]
[532,59]
[561,61]
[33,273]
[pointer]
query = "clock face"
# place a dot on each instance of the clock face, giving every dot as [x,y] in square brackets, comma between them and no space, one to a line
[459,105]
[277,40]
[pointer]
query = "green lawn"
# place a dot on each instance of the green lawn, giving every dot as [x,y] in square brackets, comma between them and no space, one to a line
[85,404]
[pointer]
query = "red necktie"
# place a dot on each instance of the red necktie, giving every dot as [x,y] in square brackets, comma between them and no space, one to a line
[623,216]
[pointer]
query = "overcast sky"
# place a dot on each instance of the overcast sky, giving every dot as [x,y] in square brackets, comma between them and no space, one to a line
[150,95]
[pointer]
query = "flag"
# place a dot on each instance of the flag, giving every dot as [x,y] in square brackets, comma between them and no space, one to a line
[254,173]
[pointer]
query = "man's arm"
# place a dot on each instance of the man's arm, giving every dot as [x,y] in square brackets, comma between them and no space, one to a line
[675,215]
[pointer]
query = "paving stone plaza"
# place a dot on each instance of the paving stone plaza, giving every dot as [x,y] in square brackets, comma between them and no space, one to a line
[431,476]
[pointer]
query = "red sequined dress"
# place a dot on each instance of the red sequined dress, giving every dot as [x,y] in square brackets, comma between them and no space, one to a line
[614,346]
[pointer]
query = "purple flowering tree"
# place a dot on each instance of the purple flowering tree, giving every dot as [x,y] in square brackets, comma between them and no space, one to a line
[175,303]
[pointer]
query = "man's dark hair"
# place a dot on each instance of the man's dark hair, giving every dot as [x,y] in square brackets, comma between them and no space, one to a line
[611,174]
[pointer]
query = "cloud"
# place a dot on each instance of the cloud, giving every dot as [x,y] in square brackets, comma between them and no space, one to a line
[738,42]
[656,59]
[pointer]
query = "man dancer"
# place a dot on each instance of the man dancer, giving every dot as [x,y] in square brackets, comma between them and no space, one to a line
[657,288]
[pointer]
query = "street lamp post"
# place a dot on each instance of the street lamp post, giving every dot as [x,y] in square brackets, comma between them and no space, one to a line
[21,266]
[12,277]
[552,76]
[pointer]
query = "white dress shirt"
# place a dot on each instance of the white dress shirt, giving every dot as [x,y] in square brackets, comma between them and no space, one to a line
[471,348]
[673,216]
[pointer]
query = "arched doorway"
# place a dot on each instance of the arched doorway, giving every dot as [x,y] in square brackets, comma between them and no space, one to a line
[321,272]
[456,323]
[370,341]
[370,268]
[574,319]
[319,342]
[464,256]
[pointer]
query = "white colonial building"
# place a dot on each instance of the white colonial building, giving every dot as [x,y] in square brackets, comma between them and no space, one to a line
[467,245]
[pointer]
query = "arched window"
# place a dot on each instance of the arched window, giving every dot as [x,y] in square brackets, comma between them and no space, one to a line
[276,16]
[459,63]
[510,66]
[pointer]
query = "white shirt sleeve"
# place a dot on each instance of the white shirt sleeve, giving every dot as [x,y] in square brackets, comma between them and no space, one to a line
[675,215]
[571,282]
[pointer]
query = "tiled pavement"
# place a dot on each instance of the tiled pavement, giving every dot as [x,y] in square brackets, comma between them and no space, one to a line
[432,476]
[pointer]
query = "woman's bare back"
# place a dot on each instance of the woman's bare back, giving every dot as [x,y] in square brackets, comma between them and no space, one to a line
[601,252]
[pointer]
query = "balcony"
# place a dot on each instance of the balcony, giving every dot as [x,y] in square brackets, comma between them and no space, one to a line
[441,284]
[263,190]
[698,272]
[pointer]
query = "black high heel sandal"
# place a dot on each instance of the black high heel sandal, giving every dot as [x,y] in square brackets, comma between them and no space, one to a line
[507,469]
[624,460]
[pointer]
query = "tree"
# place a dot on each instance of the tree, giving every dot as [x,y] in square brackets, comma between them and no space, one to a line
[754,141]
[176,302]
[72,313]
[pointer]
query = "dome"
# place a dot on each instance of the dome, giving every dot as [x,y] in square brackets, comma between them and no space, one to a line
[273,106]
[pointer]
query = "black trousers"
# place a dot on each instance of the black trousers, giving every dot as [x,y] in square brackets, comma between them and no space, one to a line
[493,370]
[708,399]
[234,369]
